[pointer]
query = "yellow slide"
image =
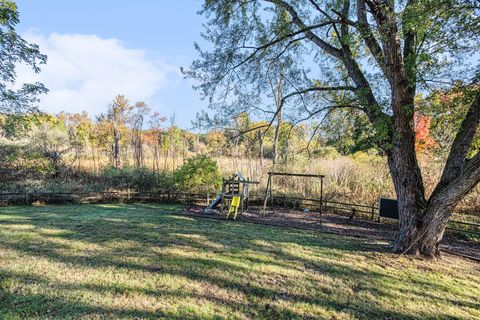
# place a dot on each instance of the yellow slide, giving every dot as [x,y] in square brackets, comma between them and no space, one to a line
[234,204]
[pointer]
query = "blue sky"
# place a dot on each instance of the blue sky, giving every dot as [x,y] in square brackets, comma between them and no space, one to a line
[100,48]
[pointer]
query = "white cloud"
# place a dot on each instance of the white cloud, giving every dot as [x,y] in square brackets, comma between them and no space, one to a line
[85,72]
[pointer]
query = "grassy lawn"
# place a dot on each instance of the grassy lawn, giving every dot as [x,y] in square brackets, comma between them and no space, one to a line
[127,261]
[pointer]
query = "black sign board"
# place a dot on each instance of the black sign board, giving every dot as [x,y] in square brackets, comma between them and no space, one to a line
[388,208]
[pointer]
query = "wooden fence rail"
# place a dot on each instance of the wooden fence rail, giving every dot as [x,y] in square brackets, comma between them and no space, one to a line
[201,198]
[104,196]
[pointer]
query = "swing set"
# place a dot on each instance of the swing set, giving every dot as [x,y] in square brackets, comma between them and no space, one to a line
[269,193]
[235,192]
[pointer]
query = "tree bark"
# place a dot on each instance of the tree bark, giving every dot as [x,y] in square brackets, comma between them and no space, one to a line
[277,91]
[116,146]
[276,136]
[422,224]
[260,147]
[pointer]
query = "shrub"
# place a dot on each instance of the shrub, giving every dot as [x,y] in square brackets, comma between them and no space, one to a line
[198,174]
[20,161]
[326,152]
[52,142]
[141,179]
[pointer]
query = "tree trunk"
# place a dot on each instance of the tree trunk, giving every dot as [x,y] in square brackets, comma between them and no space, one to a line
[423,235]
[95,169]
[137,148]
[116,147]
[422,223]
[276,136]
[402,160]
[156,165]
[165,161]
[277,91]
[260,150]
[432,232]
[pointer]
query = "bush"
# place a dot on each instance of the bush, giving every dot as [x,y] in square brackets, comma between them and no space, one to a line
[141,179]
[369,156]
[326,152]
[20,161]
[198,174]
[52,142]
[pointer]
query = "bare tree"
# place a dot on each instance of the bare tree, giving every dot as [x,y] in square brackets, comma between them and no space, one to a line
[141,110]
[118,113]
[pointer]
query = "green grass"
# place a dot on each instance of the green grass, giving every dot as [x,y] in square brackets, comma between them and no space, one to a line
[127,261]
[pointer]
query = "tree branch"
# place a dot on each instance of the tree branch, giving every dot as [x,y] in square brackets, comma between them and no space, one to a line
[313,89]
[257,49]
[409,52]
[461,184]
[364,91]
[364,28]
[325,46]
[461,145]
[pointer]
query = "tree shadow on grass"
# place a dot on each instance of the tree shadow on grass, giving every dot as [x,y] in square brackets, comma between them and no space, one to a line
[23,306]
[236,254]
[261,304]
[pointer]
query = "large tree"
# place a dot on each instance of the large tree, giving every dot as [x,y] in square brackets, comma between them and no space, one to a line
[13,51]
[369,55]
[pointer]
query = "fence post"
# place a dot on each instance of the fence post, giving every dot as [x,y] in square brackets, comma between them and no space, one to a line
[378,214]
[26,198]
[321,194]
[373,212]
[269,181]
[224,192]
[352,215]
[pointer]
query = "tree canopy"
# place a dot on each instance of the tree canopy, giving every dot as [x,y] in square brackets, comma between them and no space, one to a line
[334,55]
[13,51]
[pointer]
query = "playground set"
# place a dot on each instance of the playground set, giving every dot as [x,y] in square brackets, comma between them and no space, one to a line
[235,193]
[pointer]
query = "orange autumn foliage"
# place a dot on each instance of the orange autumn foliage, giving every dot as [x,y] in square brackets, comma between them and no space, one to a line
[423,141]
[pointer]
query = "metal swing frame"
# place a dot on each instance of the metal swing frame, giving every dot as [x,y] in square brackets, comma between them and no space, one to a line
[268,190]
